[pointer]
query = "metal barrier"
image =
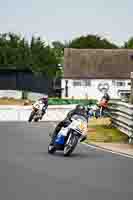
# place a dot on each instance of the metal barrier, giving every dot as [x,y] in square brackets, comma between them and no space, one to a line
[122,117]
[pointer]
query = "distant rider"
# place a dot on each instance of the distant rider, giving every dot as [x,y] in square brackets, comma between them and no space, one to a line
[45,102]
[104,102]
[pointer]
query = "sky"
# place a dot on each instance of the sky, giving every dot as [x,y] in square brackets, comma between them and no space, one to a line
[65,20]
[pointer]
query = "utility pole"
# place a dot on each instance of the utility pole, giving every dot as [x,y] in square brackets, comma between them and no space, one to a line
[131,95]
[66,88]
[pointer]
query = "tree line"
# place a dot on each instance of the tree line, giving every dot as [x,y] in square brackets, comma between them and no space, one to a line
[39,57]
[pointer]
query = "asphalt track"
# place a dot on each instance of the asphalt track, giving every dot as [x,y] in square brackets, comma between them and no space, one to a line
[28,172]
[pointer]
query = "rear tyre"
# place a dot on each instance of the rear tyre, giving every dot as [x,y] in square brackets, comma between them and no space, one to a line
[51,149]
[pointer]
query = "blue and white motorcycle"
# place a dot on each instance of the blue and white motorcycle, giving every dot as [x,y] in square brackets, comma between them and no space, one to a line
[68,137]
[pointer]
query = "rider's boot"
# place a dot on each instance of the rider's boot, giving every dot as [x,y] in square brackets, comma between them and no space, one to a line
[83,138]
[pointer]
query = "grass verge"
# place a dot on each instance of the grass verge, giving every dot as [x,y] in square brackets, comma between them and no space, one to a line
[100,130]
[12,101]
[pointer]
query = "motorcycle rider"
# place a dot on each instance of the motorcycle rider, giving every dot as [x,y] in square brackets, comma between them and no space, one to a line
[45,102]
[79,110]
[106,96]
[104,102]
[105,99]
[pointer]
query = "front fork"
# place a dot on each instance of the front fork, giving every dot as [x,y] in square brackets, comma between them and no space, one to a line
[68,139]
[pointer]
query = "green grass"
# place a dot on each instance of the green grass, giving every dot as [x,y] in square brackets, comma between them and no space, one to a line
[101,131]
[58,101]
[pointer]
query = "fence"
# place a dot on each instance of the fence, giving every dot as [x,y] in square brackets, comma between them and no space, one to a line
[24,80]
[122,117]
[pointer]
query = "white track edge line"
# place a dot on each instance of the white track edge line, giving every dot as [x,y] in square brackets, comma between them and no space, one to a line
[110,151]
[107,150]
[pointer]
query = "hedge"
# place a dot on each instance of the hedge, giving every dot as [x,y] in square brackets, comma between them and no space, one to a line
[56,101]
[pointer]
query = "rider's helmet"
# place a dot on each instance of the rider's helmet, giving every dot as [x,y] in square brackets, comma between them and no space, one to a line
[81,109]
[44,99]
[106,96]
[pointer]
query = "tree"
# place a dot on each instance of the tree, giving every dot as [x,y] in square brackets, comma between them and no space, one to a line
[58,47]
[43,58]
[36,55]
[129,44]
[91,41]
[13,50]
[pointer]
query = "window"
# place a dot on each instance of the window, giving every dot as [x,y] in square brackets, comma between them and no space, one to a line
[81,82]
[86,82]
[113,82]
[129,83]
[76,83]
[120,83]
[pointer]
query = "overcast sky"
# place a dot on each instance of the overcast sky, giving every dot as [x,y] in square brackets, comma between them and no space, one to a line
[67,19]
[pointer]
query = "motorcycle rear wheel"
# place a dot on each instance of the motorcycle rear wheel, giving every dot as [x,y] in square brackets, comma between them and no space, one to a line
[51,150]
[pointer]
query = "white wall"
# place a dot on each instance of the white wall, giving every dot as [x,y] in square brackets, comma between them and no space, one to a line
[18,94]
[34,96]
[92,91]
[11,94]
[22,113]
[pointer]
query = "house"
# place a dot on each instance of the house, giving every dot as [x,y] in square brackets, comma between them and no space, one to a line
[90,72]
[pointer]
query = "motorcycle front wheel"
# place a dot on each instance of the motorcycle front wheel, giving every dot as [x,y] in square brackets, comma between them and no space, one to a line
[36,119]
[31,116]
[69,148]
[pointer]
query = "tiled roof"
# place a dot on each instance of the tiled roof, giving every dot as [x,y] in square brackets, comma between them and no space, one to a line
[98,63]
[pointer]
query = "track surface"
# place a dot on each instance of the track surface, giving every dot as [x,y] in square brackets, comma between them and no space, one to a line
[28,172]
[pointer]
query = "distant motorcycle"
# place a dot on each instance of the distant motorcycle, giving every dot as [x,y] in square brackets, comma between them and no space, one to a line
[68,137]
[36,113]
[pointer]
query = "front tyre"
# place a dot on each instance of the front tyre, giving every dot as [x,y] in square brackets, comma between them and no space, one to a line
[36,119]
[69,148]
[31,116]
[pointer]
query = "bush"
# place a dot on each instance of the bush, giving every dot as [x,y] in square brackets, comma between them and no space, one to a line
[56,101]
